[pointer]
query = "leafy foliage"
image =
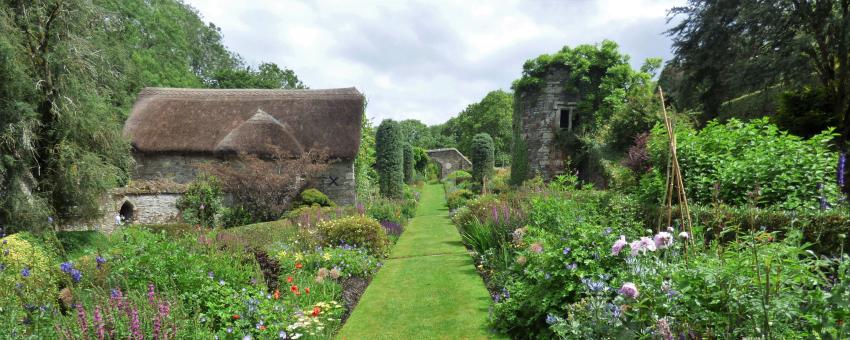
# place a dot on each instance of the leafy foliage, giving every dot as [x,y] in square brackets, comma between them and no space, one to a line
[390,158]
[267,187]
[739,158]
[311,197]
[492,115]
[202,202]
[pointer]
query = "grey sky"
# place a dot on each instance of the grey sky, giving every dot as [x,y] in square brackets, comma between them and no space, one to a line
[428,60]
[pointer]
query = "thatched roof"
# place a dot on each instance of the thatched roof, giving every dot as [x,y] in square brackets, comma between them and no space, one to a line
[204,121]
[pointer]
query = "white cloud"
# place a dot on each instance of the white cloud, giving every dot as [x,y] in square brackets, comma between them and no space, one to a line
[428,59]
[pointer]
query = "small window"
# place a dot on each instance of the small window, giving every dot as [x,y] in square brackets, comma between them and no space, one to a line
[565,119]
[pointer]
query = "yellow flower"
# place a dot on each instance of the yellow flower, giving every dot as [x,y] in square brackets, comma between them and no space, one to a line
[298,256]
[282,254]
[327,256]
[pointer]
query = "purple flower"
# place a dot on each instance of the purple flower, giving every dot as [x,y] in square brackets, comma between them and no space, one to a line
[571,266]
[151,294]
[618,245]
[211,275]
[99,259]
[82,320]
[76,275]
[551,319]
[98,323]
[663,240]
[135,325]
[25,272]
[567,250]
[629,290]
[842,162]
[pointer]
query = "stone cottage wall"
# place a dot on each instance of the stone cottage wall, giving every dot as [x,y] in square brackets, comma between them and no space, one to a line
[539,111]
[338,182]
[146,209]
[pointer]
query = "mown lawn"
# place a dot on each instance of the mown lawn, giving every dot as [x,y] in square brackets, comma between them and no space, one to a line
[428,288]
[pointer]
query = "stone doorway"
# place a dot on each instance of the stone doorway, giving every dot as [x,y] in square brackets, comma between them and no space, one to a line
[127,212]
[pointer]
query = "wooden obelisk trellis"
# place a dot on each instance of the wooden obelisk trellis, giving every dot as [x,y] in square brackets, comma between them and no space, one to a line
[674,180]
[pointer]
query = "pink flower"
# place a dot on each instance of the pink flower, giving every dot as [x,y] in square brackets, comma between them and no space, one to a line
[663,240]
[537,248]
[635,245]
[618,245]
[629,290]
[642,245]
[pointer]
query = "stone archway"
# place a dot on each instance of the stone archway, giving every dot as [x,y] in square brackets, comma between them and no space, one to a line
[450,160]
[127,213]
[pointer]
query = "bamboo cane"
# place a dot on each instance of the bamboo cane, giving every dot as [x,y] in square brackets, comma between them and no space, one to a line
[684,209]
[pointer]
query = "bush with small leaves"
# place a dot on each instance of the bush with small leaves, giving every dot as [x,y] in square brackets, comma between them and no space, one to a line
[390,159]
[358,230]
[483,159]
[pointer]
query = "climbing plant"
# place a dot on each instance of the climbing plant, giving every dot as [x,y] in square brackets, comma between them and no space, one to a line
[483,158]
[390,159]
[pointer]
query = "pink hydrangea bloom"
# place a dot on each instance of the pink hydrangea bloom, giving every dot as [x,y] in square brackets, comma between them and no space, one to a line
[618,246]
[629,290]
[663,240]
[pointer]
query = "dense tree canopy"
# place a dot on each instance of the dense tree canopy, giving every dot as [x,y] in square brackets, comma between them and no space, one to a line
[492,115]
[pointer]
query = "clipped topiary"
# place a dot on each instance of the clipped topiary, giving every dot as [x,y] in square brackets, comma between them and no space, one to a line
[408,163]
[483,157]
[311,197]
[389,161]
[358,230]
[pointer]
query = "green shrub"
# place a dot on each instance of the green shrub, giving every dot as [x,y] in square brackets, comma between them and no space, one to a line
[312,197]
[408,163]
[458,198]
[739,157]
[483,159]
[805,112]
[355,230]
[20,254]
[235,216]
[202,202]
[390,158]
[459,176]
[384,209]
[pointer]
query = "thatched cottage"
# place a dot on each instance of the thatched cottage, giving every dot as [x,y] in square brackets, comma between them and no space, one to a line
[172,129]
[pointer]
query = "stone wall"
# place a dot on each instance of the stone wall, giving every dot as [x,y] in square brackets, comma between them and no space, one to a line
[450,160]
[338,182]
[142,208]
[540,119]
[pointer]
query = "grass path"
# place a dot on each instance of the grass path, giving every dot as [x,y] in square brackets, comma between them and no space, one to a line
[428,288]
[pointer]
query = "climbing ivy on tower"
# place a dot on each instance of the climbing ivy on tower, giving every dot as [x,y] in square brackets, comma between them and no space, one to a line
[483,157]
[390,159]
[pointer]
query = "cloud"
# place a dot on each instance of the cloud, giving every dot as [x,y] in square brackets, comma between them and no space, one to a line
[428,60]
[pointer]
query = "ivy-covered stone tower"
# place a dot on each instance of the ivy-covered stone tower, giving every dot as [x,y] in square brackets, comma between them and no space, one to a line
[545,118]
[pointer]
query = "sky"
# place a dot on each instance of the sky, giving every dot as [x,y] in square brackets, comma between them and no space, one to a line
[428,60]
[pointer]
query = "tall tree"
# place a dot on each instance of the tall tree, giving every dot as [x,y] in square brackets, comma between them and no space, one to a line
[61,144]
[492,115]
[267,76]
[390,159]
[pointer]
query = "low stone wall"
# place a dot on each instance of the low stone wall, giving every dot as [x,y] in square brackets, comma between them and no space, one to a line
[450,160]
[136,208]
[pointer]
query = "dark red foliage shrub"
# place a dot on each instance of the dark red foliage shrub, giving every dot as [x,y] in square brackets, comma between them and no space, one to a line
[637,158]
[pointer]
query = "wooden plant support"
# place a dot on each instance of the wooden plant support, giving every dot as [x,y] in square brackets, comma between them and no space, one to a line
[674,180]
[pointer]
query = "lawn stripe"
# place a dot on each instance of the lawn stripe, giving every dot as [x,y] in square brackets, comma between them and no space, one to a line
[428,289]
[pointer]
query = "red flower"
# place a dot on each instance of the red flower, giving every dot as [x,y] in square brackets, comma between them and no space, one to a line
[262,327]
[235,316]
[276,294]
[307,290]
[294,289]
[289,279]
[298,265]
[316,311]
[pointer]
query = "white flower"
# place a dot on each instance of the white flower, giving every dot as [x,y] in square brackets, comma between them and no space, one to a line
[684,235]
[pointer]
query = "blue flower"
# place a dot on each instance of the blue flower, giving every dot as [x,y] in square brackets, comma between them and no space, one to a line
[100,260]
[2,267]
[571,266]
[66,267]
[551,319]
[229,330]
[211,275]
[221,282]
[25,272]
[567,250]
[76,275]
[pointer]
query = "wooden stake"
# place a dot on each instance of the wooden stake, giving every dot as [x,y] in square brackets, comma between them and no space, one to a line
[675,171]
